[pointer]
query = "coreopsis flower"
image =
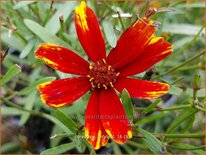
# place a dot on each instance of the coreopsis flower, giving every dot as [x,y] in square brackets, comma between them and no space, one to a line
[137,50]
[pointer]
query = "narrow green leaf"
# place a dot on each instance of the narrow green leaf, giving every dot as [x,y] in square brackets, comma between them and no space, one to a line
[13,71]
[65,119]
[117,150]
[127,104]
[80,144]
[109,33]
[47,116]
[188,123]
[11,147]
[12,41]
[44,34]
[128,149]
[78,107]
[7,63]
[56,136]
[184,146]
[22,4]
[7,111]
[152,118]
[53,25]
[175,90]
[191,5]
[199,151]
[34,84]
[184,135]
[60,149]
[43,11]
[57,122]
[151,106]
[185,29]
[28,105]
[181,42]
[27,48]
[183,48]
[151,141]
[178,120]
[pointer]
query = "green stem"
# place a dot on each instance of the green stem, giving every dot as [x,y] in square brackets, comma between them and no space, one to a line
[184,63]
[12,95]
[36,13]
[22,109]
[132,143]
[62,28]
[61,20]
[108,5]
[178,135]
[180,107]
[167,108]
[185,135]
[20,36]
[177,80]
[186,148]
[61,135]
[186,45]
[120,19]
[49,13]
[190,68]
[199,108]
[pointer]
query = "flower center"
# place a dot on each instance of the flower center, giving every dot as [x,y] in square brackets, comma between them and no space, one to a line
[102,75]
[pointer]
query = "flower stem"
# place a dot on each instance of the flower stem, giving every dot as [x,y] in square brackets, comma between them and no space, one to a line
[186,46]
[186,148]
[184,63]
[191,68]
[166,108]
[178,135]
[6,101]
[177,80]
[180,107]
[137,145]
[120,19]
[185,135]
[35,13]
[200,108]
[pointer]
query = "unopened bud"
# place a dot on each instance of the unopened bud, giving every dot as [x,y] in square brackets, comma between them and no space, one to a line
[61,18]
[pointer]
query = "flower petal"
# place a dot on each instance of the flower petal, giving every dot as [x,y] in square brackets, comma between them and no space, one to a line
[142,88]
[131,43]
[62,59]
[157,50]
[94,131]
[113,117]
[64,91]
[89,33]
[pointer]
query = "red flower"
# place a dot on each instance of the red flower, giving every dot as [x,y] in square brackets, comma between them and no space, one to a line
[137,50]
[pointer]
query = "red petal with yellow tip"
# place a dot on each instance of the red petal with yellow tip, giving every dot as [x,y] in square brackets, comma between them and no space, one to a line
[89,33]
[113,117]
[141,88]
[131,43]
[94,131]
[157,50]
[63,92]
[62,59]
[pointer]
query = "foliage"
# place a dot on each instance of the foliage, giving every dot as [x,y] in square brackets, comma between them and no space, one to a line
[171,124]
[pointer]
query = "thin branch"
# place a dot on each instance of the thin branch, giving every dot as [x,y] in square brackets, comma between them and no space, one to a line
[184,63]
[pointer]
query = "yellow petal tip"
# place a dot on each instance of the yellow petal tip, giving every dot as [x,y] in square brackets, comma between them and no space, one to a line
[81,16]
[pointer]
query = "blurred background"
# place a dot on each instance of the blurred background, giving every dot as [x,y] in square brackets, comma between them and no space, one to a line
[173,124]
